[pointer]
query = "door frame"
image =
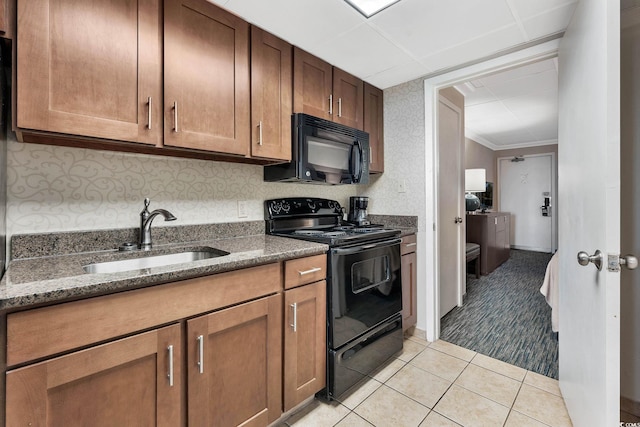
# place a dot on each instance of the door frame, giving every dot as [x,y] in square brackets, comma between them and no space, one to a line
[554,193]
[432,85]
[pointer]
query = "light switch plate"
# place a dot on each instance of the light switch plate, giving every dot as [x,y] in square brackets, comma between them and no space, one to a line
[402,186]
[242,209]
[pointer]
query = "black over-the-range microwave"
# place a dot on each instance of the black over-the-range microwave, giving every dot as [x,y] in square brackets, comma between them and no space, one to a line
[324,152]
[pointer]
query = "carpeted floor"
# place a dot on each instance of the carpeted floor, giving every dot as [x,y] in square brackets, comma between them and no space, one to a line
[505,316]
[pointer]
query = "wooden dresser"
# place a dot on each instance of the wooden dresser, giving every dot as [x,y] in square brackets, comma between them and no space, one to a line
[491,231]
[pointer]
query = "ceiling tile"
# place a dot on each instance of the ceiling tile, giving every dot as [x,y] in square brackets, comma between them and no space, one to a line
[399,74]
[477,48]
[354,49]
[518,72]
[480,95]
[528,8]
[300,22]
[534,83]
[551,22]
[424,27]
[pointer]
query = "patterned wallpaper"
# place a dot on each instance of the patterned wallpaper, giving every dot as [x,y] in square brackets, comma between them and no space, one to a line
[403,155]
[68,189]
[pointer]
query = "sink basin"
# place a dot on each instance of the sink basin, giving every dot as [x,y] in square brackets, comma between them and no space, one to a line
[153,261]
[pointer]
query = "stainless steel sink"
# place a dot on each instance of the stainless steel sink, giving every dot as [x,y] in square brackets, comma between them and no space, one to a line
[143,262]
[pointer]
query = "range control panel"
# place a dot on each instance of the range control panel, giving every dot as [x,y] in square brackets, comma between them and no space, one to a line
[300,206]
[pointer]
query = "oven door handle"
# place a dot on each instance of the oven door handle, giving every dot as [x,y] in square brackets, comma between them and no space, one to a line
[360,248]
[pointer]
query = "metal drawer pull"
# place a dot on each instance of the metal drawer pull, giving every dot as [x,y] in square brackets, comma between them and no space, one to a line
[149,116]
[260,132]
[294,325]
[339,107]
[170,376]
[312,270]
[200,340]
[175,116]
[330,104]
[410,244]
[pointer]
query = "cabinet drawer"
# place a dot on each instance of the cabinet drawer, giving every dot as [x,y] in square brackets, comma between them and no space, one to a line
[46,331]
[409,244]
[304,270]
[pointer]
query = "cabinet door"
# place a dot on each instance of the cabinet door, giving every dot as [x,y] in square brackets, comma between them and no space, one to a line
[409,290]
[305,338]
[373,124]
[271,96]
[90,67]
[312,85]
[125,382]
[348,99]
[234,365]
[206,80]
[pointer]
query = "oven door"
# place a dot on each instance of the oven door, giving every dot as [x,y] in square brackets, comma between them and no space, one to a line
[365,289]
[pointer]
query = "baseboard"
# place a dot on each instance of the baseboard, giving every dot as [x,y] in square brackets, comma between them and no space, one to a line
[415,332]
[630,406]
[532,249]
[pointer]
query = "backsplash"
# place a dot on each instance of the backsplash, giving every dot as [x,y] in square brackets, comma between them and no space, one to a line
[54,188]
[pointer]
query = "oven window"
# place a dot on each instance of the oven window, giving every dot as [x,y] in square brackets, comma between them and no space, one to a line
[370,273]
[328,155]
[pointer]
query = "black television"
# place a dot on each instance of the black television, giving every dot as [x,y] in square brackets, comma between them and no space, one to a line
[486,198]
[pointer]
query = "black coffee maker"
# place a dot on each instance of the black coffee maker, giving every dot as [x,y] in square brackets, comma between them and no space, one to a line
[358,211]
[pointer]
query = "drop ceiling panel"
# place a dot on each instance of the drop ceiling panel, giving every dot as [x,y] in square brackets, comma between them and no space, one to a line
[517,73]
[527,8]
[405,72]
[551,22]
[482,46]
[523,86]
[427,26]
[353,48]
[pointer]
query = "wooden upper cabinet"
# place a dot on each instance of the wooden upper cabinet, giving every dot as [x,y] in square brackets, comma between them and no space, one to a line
[89,67]
[271,95]
[347,99]
[206,78]
[312,85]
[373,124]
[125,382]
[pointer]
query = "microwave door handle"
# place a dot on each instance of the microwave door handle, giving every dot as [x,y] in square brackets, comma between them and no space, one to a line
[358,177]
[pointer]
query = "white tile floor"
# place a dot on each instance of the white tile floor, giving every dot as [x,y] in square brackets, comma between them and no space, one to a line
[441,384]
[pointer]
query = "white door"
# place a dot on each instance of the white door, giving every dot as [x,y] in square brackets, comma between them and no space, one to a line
[589,212]
[450,196]
[524,186]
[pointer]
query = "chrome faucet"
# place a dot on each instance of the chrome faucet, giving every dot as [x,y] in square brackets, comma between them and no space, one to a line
[146,218]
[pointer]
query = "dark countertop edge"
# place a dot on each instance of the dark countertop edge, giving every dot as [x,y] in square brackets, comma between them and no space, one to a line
[52,291]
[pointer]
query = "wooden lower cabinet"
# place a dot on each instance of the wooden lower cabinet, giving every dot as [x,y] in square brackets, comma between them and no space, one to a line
[491,231]
[124,382]
[234,365]
[305,350]
[409,266]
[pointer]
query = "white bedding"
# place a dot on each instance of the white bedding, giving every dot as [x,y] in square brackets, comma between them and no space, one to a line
[550,290]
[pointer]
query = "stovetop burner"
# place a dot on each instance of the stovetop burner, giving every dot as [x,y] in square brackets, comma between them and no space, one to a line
[319,220]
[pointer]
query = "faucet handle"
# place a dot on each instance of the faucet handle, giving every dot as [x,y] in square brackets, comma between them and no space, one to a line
[147,202]
[145,212]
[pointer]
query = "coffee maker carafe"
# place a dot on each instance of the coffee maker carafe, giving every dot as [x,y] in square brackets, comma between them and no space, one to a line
[358,210]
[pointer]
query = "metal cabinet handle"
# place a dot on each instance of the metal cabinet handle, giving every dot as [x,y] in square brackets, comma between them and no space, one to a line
[175,116]
[294,325]
[410,244]
[260,132]
[339,107]
[312,270]
[200,340]
[170,375]
[584,259]
[149,100]
[330,104]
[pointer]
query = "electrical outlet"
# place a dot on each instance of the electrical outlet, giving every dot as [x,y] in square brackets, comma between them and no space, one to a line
[242,209]
[402,186]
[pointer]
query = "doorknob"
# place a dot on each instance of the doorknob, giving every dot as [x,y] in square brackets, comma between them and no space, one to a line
[584,259]
[629,261]
[458,220]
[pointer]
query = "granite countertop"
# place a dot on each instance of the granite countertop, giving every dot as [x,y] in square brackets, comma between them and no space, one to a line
[56,278]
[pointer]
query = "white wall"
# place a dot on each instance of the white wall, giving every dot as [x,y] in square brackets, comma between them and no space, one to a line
[68,189]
